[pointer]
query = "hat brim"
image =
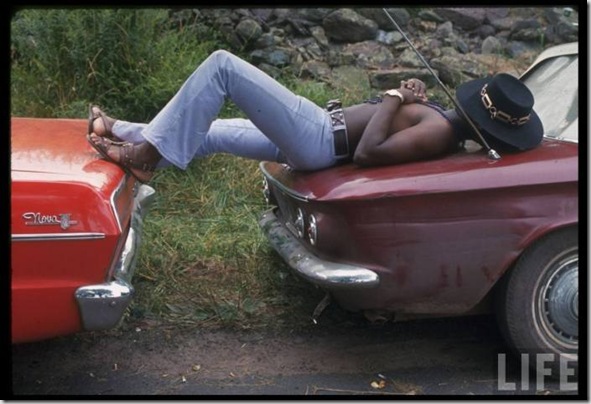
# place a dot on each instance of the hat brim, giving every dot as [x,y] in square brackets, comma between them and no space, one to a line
[522,137]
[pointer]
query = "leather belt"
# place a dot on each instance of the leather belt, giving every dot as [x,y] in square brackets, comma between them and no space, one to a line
[339,129]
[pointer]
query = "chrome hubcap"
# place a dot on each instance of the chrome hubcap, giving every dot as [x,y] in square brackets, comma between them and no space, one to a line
[558,302]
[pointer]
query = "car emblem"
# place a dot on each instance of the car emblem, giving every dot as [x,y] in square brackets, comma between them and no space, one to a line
[38,219]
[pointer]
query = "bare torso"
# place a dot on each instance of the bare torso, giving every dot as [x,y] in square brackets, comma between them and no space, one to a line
[357,117]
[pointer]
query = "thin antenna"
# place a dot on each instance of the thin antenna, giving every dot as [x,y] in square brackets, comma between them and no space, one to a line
[492,154]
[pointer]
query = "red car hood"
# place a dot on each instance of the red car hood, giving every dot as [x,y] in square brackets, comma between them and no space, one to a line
[56,150]
[552,162]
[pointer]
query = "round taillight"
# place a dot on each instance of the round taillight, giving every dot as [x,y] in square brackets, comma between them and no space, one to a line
[300,223]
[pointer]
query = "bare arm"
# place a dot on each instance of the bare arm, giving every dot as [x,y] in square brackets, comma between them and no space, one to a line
[425,139]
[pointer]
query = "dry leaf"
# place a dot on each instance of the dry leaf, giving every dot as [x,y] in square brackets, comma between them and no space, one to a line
[378,384]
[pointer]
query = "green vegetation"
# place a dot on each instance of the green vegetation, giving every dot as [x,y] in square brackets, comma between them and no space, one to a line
[130,61]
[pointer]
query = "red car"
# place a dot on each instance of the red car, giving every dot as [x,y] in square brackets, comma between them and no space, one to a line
[450,236]
[76,223]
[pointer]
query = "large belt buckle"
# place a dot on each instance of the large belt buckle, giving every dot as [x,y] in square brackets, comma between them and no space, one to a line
[333,104]
[337,119]
[339,132]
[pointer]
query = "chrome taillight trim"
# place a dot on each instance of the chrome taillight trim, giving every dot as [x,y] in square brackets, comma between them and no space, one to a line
[282,187]
[300,223]
[312,231]
[114,196]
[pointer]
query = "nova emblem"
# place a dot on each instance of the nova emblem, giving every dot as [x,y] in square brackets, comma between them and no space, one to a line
[37,219]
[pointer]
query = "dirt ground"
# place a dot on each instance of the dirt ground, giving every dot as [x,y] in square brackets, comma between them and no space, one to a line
[428,357]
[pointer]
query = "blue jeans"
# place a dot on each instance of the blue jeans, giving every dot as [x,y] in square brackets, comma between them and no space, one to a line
[281,125]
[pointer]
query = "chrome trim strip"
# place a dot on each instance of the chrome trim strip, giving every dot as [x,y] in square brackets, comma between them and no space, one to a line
[114,195]
[282,187]
[563,139]
[326,274]
[102,305]
[57,236]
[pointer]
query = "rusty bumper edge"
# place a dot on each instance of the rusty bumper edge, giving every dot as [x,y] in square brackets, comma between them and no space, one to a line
[323,273]
[102,306]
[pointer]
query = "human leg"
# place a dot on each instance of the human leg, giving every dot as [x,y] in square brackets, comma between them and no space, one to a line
[241,138]
[234,136]
[298,127]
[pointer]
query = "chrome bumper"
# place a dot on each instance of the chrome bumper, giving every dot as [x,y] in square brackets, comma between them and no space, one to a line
[102,306]
[329,275]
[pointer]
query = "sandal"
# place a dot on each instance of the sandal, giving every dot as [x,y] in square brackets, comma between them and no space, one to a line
[93,116]
[128,160]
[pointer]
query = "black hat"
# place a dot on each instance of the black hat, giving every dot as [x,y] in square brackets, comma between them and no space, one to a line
[502,107]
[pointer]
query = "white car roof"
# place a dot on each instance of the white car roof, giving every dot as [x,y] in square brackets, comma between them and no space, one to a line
[571,48]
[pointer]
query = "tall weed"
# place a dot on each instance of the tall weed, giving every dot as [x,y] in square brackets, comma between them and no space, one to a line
[129,60]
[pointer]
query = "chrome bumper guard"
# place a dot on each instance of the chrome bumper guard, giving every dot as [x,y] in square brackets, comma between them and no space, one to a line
[102,306]
[330,275]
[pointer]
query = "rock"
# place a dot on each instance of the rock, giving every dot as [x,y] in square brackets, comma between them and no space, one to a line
[389,38]
[426,26]
[316,70]
[430,15]
[461,46]
[526,30]
[336,57]
[385,79]
[465,18]
[370,55]
[516,48]
[319,35]
[276,56]
[345,25]
[567,32]
[279,14]
[493,14]
[266,40]
[484,31]
[354,79]
[314,15]
[262,14]
[502,24]
[408,58]
[249,31]
[454,70]
[363,44]
[445,30]
[400,15]
[491,45]
[272,71]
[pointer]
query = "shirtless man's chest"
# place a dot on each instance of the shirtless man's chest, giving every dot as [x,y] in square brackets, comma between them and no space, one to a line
[407,115]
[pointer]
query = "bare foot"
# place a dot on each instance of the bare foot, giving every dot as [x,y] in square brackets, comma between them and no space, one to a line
[101,124]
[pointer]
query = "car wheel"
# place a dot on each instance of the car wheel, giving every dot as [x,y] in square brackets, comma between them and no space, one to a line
[538,305]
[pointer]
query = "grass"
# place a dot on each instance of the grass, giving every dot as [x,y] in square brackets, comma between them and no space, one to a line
[205,262]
